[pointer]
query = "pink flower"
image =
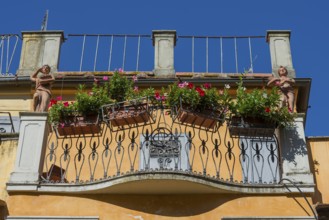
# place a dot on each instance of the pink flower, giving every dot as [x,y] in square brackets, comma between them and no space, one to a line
[221,92]
[135,78]
[96,81]
[62,125]
[183,84]
[120,70]
[59,98]
[105,78]
[136,89]
[66,104]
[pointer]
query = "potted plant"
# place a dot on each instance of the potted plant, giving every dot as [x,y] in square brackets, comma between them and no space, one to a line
[258,112]
[80,116]
[61,113]
[131,106]
[202,106]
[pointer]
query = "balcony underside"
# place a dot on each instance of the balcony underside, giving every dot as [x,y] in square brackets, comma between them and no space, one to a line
[158,182]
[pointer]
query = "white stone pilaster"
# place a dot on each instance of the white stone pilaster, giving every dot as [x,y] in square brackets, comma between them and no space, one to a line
[294,153]
[40,48]
[164,42]
[279,43]
[31,149]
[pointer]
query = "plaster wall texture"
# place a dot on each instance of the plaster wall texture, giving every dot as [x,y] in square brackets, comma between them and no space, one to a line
[8,150]
[319,160]
[202,207]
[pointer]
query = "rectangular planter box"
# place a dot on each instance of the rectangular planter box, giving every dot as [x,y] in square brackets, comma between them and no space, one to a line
[251,127]
[128,115]
[196,119]
[80,126]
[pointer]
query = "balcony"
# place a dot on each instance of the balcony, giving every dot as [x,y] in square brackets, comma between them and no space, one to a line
[164,152]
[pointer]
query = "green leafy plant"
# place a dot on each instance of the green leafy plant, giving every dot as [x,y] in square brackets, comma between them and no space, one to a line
[120,87]
[261,104]
[89,103]
[198,98]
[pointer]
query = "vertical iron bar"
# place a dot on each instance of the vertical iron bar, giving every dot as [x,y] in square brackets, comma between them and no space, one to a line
[124,53]
[138,47]
[193,54]
[110,57]
[2,46]
[236,56]
[207,55]
[12,55]
[250,54]
[96,52]
[83,50]
[7,57]
[221,55]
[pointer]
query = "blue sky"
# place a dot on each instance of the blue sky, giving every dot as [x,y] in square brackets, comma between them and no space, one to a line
[307,20]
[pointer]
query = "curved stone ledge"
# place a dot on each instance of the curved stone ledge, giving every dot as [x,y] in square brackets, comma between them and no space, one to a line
[159,182]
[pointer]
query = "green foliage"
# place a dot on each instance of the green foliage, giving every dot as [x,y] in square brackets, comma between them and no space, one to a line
[260,103]
[120,87]
[197,98]
[89,103]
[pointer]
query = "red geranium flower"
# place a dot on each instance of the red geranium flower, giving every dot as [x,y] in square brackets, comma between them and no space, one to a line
[190,85]
[52,102]
[207,85]
[200,91]
[66,104]
[267,109]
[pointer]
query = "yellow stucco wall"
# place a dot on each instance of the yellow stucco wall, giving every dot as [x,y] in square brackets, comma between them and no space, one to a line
[319,148]
[201,207]
[7,154]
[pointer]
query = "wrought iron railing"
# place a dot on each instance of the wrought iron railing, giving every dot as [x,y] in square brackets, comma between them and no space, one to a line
[165,145]
[134,52]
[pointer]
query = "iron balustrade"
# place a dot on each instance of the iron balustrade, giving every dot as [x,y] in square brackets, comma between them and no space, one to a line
[134,52]
[165,145]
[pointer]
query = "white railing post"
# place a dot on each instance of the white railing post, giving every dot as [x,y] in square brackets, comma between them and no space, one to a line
[39,48]
[279,43]
[30,152]
[164,42]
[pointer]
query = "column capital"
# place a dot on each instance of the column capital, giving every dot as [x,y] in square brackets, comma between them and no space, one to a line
[279,43]
[39,48]
[164,42]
